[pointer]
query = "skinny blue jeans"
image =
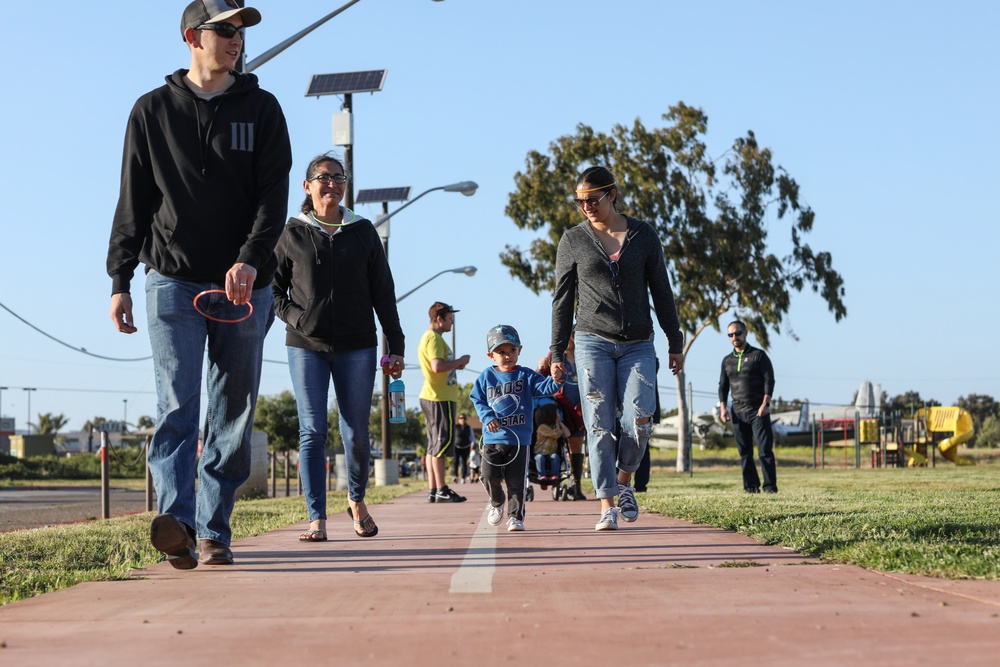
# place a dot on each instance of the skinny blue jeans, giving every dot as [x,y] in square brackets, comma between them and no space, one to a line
[618,391]
[178,336]
[353,374]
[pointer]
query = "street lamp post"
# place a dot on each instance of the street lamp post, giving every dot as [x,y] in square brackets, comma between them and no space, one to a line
[275,50]
[467,188]
[29,390]
[124,415]
[1,400]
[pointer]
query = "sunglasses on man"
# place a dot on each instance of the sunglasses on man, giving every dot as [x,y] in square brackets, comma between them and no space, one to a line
[223,30]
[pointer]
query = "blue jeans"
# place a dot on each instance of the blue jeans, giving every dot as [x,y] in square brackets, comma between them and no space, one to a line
[178,335]
[353,374]
[547,465]
[617,389]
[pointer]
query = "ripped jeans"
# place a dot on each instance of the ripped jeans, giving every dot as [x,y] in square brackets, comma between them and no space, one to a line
[617,390]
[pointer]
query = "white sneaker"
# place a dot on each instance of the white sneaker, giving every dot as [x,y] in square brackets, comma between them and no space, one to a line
[494,515]
[609,520]
[514,524]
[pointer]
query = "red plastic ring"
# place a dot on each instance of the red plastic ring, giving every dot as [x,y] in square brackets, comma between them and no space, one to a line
[216,319]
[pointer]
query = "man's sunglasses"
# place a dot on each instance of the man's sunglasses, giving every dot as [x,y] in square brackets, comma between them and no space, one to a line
[224,30]
[736,333]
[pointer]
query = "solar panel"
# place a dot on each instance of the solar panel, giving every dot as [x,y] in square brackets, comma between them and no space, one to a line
[346,82]
[376,195]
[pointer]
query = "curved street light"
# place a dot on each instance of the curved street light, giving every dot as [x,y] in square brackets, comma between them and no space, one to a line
[467,270]
[467,188]
[275,50]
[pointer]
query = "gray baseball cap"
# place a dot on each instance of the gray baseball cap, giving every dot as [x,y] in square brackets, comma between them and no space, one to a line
[501,334]
[201,12]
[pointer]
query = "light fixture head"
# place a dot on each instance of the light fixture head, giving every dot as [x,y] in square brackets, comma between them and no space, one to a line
[467,188]
[469,271]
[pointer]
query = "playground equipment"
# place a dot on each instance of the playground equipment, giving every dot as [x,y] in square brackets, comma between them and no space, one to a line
[948,427]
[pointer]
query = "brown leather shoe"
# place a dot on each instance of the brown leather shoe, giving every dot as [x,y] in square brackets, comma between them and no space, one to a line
[214,553]
[171,537]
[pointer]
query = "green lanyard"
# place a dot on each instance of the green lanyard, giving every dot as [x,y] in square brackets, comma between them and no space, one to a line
[739,360]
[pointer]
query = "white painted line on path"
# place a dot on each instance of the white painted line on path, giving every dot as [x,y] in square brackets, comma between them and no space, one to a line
[475,574]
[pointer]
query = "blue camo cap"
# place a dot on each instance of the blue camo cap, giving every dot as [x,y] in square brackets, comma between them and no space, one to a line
[500,334]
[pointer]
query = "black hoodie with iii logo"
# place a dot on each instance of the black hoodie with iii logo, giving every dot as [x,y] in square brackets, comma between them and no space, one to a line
[204,184]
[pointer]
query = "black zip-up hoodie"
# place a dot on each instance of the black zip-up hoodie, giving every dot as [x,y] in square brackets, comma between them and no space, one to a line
[328,288]
[204,184]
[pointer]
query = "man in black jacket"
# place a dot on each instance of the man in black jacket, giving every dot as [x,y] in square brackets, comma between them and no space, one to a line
[750,376]
[204,193]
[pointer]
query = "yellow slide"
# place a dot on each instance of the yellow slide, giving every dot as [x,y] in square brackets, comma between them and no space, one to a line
[952,420]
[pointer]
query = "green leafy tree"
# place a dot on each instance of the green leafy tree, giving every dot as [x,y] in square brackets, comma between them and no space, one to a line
[278,417]
[49,424]
[988,434]
[909,402]
[712,215]
[980,406]
[145,421]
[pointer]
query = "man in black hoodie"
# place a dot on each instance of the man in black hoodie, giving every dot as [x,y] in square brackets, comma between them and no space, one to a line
[204,192]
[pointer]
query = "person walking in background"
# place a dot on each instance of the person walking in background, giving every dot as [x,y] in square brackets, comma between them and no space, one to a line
[748,374]
[204,190]
[571,411]
[438,396]
[642,472]
[333,277]
[504,395]
[607,269]
[463,446]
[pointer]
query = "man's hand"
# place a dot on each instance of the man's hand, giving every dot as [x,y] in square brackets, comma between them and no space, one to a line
[558,371]
[121,312]
[239,283]
[723,413]
[462,361]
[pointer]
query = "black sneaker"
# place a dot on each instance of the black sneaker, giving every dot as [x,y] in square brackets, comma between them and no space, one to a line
[446,495]
[432,496]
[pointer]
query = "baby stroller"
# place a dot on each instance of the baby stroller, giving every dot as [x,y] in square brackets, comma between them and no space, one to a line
[560,482]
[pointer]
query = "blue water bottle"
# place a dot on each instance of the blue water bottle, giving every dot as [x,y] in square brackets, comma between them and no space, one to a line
[397,402]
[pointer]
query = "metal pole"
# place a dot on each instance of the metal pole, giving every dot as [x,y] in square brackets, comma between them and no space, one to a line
[386,436]
[690,429]
[274,476]
[105,482]
[275,50]
[349,158]
[29,390]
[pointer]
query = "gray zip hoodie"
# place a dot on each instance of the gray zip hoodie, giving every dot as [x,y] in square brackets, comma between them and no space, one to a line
[584,278]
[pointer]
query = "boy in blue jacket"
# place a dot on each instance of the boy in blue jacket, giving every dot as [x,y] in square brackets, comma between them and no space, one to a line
[504,397]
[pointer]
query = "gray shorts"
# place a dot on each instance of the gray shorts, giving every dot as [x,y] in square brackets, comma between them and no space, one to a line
[440,418]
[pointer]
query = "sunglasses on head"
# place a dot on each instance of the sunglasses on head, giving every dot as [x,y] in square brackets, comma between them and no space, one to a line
[736,333]
[224,30]
[616,282]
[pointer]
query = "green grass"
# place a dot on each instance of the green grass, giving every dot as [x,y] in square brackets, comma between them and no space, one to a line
[941,522]
[41,560]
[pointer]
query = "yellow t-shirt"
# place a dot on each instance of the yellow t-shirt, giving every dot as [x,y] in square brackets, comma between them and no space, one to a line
[437,386]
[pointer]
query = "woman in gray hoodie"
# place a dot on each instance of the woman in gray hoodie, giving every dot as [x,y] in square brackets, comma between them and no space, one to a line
[609,267]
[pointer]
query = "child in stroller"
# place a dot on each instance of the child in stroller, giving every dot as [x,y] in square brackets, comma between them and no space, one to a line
[548,442]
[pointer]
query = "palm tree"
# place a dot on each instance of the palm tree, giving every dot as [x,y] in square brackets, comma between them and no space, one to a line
[49,424]
[91,425]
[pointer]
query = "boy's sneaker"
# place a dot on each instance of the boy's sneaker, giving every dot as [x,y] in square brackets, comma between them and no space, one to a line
[494,515]
[446,495]
[432,496]
[626,503]
[514,524]
[609,520]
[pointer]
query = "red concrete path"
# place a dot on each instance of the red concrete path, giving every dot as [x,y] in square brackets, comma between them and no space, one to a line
[439,586]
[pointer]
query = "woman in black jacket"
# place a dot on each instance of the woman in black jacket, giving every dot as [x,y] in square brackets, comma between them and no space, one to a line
[333,276]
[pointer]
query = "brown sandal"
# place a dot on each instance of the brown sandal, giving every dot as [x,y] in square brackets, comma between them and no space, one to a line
[367,525]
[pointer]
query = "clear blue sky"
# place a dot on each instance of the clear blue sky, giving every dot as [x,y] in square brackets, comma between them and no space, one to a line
[886,114]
